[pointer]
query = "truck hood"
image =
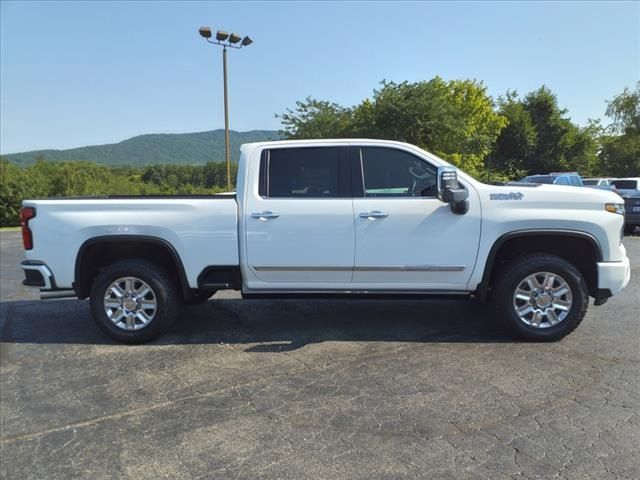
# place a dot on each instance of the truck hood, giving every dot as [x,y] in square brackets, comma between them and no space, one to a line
[552,196]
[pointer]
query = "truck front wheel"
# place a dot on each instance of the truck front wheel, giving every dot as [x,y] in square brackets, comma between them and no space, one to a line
[134,301]
[542,297]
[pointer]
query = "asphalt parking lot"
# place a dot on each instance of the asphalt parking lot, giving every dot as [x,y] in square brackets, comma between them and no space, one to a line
[317,389]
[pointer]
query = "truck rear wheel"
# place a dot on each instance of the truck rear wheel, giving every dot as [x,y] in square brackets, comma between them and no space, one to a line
[134,301]
[542,297]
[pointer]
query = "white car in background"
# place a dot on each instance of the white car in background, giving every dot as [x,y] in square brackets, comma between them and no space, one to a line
[602,183]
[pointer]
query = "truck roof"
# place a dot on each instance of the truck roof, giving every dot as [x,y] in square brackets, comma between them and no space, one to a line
[329,141]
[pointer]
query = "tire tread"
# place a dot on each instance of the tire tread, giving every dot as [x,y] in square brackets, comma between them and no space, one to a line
[516,270]
[165,290]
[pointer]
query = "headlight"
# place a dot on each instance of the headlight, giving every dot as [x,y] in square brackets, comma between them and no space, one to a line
[614,208]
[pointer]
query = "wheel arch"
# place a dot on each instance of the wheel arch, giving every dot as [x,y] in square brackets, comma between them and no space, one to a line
[98,252]
[579,248]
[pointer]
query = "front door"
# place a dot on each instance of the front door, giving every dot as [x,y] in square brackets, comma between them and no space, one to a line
[405,237]
[299,222]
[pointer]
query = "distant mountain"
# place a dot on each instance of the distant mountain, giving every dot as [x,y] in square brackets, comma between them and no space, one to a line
[181,148]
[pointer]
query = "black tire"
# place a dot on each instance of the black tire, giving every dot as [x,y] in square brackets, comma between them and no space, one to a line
[514,272]
[629,229]
[198,297]
[163,287]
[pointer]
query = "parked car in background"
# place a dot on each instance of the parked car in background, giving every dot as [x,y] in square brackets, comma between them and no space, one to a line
[629,189]
[556,178]
[602,183]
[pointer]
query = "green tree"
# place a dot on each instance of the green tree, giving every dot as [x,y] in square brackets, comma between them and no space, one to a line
[78,178]
[454,119]
[316,119]
[624,111]
[539,137]
[518,139]
[620,151]
[13,189]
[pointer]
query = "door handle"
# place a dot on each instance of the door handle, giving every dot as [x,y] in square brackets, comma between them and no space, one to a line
[264,215]
[374,214]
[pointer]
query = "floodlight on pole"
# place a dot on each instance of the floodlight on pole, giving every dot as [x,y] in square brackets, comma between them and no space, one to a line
[225,40]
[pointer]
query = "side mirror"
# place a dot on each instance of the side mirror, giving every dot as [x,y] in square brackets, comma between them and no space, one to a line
[451,192]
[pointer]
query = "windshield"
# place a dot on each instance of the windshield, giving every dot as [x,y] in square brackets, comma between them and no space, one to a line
[538,179]
[590,182]
[625,184]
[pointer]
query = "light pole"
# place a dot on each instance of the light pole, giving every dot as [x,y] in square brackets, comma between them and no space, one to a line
[234,41]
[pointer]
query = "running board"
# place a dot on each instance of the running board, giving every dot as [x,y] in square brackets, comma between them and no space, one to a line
[356,294]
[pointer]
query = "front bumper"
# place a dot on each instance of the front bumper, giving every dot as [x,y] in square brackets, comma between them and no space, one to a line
[614,276]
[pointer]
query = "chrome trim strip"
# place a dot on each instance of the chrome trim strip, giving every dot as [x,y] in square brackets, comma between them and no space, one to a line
[413,268]
[405,268]
[301,268]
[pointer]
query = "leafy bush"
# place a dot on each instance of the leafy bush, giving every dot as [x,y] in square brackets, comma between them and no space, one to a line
[78,178]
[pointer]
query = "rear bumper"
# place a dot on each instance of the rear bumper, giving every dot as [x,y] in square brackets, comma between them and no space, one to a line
[37,274]
[614,276]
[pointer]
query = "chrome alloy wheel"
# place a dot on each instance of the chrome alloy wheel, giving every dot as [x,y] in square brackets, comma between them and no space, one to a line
[542,299]
[130,303]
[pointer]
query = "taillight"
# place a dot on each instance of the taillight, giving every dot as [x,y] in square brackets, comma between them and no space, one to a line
[26,214]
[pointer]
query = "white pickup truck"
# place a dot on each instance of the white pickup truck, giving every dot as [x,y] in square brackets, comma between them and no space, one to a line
[324,218]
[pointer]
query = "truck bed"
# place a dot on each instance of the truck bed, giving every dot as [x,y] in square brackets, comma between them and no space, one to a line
[203,229]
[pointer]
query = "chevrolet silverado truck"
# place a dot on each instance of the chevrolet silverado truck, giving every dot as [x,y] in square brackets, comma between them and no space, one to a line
[325,218]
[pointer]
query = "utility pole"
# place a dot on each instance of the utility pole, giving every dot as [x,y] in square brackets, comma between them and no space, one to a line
[227,155]
[226,40]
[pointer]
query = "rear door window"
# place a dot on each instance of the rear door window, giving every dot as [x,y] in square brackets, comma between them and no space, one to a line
[303,173]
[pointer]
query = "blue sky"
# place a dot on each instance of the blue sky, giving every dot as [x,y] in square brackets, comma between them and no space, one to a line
[81,73]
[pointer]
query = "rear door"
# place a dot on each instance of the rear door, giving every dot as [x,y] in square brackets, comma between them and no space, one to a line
[299,221]
[405,237]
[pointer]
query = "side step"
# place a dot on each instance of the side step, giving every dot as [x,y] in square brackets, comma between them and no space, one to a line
[49,295]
